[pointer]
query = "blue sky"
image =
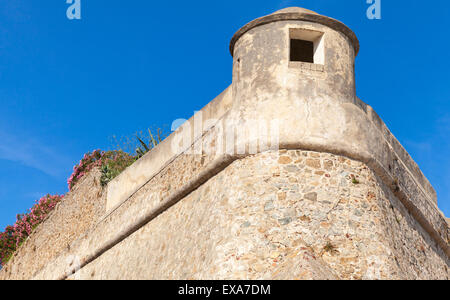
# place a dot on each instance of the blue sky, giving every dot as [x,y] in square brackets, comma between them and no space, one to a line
[68,86]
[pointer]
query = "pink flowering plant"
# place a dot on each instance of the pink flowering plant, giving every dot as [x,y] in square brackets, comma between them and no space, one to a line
[111,164]
[87,163]
[14,236]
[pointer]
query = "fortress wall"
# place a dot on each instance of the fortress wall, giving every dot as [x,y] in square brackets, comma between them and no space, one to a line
[79,210]
[271,216]
[175,177]
[174,182]
[185,173]
[203,195]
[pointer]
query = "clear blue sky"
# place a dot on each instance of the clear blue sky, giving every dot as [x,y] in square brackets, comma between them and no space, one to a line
[66,87]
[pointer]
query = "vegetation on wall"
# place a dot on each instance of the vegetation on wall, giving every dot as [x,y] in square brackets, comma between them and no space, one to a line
[14,236]
[87,163]
[111,164]
[141,141]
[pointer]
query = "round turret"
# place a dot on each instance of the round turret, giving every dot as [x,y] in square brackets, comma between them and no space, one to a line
[294,55]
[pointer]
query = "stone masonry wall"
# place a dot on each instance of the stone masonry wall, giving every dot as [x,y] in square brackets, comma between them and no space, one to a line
[278,215]
[73,216]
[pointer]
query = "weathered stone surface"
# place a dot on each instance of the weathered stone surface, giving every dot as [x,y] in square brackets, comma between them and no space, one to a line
[72,217]
[230,238]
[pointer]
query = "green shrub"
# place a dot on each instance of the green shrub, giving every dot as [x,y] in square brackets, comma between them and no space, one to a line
[113,163]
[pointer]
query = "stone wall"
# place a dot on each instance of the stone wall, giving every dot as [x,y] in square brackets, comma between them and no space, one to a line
[303,216]
[386,226]
[287,214]
[278,215]
[79,210]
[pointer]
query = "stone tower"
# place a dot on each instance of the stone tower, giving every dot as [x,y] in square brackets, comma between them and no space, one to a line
[318,189]
[294,55]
